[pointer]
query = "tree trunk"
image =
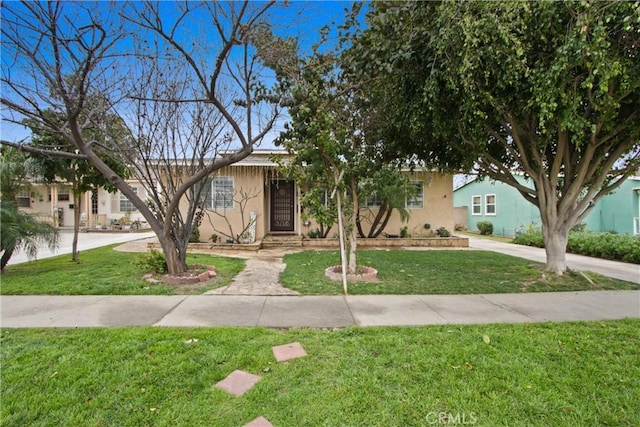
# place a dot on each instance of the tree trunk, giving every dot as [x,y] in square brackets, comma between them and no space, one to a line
[555,246]
[76,223]
[176,265]
[384,223]
[6,256]
[352,231]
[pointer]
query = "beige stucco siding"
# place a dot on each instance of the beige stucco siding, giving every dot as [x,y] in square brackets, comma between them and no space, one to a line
[436,210]
[249,181]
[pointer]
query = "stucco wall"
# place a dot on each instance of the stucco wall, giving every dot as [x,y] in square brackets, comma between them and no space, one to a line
[437,209]
[247,180]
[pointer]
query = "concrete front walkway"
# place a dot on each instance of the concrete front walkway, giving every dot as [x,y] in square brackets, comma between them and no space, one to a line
[314,311]
[261,276]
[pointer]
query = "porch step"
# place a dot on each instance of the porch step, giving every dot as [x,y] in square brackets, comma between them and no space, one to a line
[281,241]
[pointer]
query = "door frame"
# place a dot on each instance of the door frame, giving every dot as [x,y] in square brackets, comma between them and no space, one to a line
[291,184]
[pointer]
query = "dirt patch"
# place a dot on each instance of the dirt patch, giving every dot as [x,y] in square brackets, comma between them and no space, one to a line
[363,274]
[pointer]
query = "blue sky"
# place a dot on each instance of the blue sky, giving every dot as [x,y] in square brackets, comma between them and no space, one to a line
[301,18]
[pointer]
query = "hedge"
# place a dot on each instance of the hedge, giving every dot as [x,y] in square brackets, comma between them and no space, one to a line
[620,247]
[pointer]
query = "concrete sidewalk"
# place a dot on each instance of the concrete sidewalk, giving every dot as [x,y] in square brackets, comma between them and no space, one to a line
[314,311]
[615,269]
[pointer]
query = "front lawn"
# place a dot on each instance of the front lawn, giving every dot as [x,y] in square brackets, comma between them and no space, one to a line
[566,374]
[102,271]
[436,272]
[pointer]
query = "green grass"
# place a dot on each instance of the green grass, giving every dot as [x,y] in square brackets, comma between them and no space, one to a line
[104,271]
[565,374]
[101,271]
[436,272]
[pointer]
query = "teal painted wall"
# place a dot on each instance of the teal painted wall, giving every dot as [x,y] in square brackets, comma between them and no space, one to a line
[614,212]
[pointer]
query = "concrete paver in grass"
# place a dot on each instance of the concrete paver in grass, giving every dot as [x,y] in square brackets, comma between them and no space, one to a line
[238,382]
[259,422]
[290,351]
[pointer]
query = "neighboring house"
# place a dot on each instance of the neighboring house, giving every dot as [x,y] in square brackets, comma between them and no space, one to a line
[274,202]
[54,202]
[508,211]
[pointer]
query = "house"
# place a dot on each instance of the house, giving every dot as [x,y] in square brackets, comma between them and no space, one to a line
[249,199]
[253,188]
[53,202]
[508,211]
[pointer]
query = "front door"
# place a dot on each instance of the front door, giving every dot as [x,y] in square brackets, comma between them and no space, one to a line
[282,206]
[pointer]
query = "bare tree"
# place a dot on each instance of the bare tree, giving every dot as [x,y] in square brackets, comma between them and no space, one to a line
[240,199]
[57,54]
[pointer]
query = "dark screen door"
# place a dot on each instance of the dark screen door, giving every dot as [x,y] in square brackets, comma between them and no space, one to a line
[282,206]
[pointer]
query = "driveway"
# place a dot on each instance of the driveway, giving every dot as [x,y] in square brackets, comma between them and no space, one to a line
[614,269]
[85,241]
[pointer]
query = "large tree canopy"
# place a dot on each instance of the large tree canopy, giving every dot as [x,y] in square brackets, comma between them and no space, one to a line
[548,89]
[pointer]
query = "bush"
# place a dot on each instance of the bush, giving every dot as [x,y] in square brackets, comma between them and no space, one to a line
[195,235]
[580,227]
[442,232]
[530,238]
[152,261]
[620,247]
[485,227]
[404,233]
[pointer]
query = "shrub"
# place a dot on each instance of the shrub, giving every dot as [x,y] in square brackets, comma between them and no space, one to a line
[618,247]
[152,261]
[442,232]
[404,233]
[580,227]
[530,238]
[195,235]
[459,227]
[485,227]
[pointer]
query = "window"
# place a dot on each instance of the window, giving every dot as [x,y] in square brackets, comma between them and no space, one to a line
[490,204]
[63,195]
[94,201]
[476,205]
[417,200]
[373,201]
[24,199]
[125,204]
[218,193]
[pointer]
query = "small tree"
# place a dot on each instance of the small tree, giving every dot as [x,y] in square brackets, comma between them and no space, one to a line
[80,174]
[240,199]
[18,230]
[391,190]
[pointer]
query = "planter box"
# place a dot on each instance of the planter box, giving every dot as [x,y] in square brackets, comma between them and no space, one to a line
[431,242]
